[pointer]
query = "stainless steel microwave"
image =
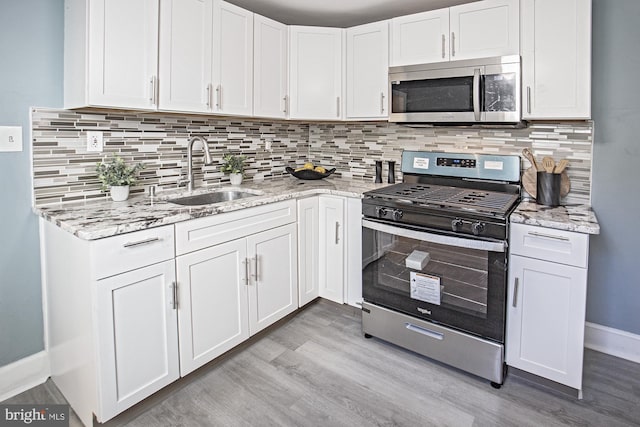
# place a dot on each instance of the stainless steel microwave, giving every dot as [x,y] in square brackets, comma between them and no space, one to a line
[483,90]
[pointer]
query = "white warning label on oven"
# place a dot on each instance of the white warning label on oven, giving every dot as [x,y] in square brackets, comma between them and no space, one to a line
[421,163]
[494,165]
[425,287]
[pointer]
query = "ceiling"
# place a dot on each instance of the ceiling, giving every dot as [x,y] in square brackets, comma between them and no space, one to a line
[339,13]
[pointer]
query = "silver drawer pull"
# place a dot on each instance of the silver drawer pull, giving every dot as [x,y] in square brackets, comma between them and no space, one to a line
[548,236]
[141,242]
[424,331]
[514,303]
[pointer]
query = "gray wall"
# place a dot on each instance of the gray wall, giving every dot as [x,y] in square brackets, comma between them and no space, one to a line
[31,38]
[613,297]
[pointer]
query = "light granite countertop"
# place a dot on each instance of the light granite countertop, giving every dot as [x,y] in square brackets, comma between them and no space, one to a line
[578,218]
[97,219]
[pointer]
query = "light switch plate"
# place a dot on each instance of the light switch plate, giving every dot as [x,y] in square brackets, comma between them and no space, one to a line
[10,138]
[94,141]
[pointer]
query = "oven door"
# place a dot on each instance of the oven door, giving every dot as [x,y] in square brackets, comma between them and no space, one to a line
[453,281]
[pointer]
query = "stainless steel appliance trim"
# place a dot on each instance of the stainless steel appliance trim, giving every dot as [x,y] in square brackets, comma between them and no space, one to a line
[424,331]
[435,238]
[476,94]
[467,352]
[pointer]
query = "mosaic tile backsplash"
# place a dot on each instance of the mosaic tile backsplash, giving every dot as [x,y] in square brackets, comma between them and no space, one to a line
[65,171]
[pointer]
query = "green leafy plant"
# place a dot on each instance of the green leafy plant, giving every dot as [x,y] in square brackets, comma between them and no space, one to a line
[117,172]
[233,164]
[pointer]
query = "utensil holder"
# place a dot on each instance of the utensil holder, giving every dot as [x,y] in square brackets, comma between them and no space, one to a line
[548,188]
[378,171]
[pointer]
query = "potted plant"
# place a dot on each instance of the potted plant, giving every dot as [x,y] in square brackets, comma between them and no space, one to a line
[234,166]
[116,176]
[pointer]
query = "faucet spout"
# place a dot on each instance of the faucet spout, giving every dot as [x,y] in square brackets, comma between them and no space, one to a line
[208,159]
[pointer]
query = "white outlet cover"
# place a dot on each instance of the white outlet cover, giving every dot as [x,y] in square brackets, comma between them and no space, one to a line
[10,138]
[94,141]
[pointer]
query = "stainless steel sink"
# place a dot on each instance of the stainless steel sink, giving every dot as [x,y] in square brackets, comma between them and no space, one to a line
[213,197]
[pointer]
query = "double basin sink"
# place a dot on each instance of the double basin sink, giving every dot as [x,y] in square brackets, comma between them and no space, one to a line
[217,196]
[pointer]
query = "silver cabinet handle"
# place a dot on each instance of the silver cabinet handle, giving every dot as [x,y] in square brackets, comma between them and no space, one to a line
[209,96]
[443,47]
[219,97]
[529,99]
[381,102]
[548,236]
[286,104]
[514,302]
[338,106]
[174,290]
[246,271]
[255,276]
[476,94]
[337,232]
[152,93]
[453,44]
[141,242]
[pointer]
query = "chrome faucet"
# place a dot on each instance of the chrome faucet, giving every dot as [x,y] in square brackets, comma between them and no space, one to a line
[207,159]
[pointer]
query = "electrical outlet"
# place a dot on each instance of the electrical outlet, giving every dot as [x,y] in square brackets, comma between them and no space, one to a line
[267,144]
[94,141]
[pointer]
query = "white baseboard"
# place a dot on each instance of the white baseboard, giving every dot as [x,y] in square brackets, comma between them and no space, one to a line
[24,374]
[612,341]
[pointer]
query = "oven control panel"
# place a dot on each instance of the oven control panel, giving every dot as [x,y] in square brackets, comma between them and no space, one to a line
[455,162]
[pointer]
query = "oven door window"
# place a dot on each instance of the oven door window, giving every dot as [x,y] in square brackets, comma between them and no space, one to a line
[471,282]
[433,95]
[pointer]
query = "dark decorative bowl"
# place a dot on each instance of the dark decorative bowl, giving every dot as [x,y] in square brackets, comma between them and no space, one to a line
[309,173]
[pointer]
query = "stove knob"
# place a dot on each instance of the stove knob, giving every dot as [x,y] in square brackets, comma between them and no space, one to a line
[381,212]
[397,214]
[477,228]
[456,225]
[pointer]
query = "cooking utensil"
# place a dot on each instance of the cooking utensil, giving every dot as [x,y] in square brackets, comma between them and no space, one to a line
[529,155]
[548,164]
[561,165]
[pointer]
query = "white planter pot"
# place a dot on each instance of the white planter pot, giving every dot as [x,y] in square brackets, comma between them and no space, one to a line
[236,178]
[119,193]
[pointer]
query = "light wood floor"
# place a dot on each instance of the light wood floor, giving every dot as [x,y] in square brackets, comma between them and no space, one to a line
[316,369]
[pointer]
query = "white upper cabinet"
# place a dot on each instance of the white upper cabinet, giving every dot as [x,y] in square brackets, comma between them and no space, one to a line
[232,59]
[111,53]
[367,51]
[556,59]
[483,29]
[474,30]
[186,44]
[270,68]
[420,38]
[315,63]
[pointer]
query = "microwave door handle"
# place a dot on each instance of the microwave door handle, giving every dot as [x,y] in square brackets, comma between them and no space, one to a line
[476,94]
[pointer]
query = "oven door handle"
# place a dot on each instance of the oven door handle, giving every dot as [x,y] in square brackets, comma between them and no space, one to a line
[460,242]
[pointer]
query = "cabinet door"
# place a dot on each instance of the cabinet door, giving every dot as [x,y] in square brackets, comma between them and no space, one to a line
[137,336]
[186,39]
[308,247]
[485,28]
[556,59]
[273,284]
[420,38]
[367,70]
[315,73]
[123,53]
[232,59]
[270,68]
[545,319]
[331,245]
[212,301]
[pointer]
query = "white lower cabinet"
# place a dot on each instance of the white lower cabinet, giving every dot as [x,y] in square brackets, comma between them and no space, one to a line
[232,289]
[546,303]
[137,336]
[330,250]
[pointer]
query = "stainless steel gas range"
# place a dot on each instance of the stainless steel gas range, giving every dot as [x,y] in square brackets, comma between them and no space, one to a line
[435,258]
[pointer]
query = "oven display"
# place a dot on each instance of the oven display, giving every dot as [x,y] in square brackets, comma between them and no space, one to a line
[456,163]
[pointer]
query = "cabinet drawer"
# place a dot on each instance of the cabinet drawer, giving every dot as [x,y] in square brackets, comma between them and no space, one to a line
[559,246]
[114,255]
[204,232]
